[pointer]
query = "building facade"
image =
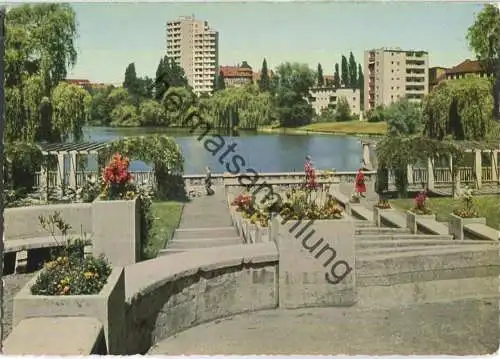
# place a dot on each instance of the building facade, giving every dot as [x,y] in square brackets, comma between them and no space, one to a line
[392,74]
[194,46]
[236,76]
[322,97]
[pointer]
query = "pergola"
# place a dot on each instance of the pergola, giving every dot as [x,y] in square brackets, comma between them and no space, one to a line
[63,151]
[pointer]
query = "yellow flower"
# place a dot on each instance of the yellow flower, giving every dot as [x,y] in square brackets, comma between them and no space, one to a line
[59,259]
[66,289]
[88,275]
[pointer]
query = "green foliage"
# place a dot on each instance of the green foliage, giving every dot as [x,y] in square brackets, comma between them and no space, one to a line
[125,115]
[343,110]
[361,86]
[21,161]
[378,114]
[151,113]
[161,152]
[39,48]
[177,102]
[321,79]
[344,75]
[220,84]
[336,79]
[131,82]
[168,74]
[460,108]
[483,36]
[403,118]
[264,81]
[101,107]
[353,71]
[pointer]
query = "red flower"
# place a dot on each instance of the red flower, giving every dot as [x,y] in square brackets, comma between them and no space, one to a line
[117,171]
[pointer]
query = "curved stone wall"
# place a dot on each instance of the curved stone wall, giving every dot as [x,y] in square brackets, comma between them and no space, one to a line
[173,293]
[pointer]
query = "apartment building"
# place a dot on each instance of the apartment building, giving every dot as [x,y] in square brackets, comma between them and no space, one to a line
[392,73]
[194,46]
[323,97]
[236,76]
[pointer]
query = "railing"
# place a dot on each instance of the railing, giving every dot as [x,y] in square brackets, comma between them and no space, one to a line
[487,174]
[466,175]
[442,175]
[419,175]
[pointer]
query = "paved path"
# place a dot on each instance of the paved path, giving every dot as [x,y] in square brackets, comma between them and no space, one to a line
[457,328]
[205,222]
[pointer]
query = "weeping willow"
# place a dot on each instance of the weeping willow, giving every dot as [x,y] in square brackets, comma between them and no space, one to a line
[461,109]
[244,107]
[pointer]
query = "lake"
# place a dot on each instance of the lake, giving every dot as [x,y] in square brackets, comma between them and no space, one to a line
[262,152]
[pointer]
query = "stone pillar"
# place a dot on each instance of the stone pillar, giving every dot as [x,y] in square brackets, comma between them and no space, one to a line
[44,179]
[478,168]
[494,165]
[456,179]
[60,169]
[409,174]
[430,173]
[72,169]
[366,154]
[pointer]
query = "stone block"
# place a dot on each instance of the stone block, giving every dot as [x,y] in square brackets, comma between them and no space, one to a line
[117,231]
[412,218]
[108,307]
[316,262]
[377,212]
[456,225]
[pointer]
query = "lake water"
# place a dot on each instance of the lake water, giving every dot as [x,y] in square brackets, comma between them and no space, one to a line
[262,152]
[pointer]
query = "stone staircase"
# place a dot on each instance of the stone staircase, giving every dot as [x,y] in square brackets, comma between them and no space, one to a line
[205,223]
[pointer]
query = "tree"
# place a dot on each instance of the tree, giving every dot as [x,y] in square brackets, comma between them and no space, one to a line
[125,115]
[168,74]
[343,110]
[39,50]
[403,118]
[220,83]
[360,84]
[131,82]
[151,113]
[70,110]
[353,72]
[101,107]
[460,109]
[336,78]
[321,79]
[264,81]
[293,81]
[344,77]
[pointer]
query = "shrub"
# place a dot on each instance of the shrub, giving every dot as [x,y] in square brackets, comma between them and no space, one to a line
[469,209]
[69,272]
[421,204]
[383,204]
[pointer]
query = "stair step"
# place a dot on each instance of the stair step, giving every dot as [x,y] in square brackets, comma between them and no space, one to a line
[203,243]
[380,230]
[388,237]
[214,232]
[415,249]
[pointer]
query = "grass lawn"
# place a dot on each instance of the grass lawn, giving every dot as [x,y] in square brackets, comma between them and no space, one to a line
[166,219]
[487,206]
[348,127]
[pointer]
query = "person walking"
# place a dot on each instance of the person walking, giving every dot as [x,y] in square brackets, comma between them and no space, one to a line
[208,182]
[360,185]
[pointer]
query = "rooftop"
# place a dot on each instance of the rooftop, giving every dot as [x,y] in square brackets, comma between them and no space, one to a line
[467,66]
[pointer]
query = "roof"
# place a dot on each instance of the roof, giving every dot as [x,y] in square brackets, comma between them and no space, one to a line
[80,148]
[235,71]
[466,67]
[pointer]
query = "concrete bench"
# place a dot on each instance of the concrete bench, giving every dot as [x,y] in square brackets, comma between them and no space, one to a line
[362,212]
[343,200]
[393,219]
[431,226]
[28,252]
[56,336]
[482,231]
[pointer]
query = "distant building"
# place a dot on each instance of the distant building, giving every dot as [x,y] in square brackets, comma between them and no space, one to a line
[436,75]
[235,76]
[392,74]
[256,75]
[86,84]
[194,46]
[322,97]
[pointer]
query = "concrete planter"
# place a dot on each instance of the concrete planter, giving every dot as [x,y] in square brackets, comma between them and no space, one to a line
[316,263]
[456,225]
[108,307]
[411,220]
[249,231]
[377,212]
[117,230]
[263,234]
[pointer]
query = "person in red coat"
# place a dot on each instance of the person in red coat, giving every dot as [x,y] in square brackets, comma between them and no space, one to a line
[360,183]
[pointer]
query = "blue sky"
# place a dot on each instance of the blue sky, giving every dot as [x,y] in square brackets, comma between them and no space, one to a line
[113,35]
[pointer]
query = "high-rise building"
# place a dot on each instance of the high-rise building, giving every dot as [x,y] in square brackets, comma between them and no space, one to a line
[194,46]
[392,74]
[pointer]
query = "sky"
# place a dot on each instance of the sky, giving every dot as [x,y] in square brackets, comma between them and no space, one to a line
[112,35]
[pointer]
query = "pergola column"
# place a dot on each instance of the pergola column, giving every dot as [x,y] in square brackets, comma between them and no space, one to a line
[60,169]
[409,174]
[72,169]
[430,173]
[494,165]
[43,184]
[456,194]
[478,165]
[366,154]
